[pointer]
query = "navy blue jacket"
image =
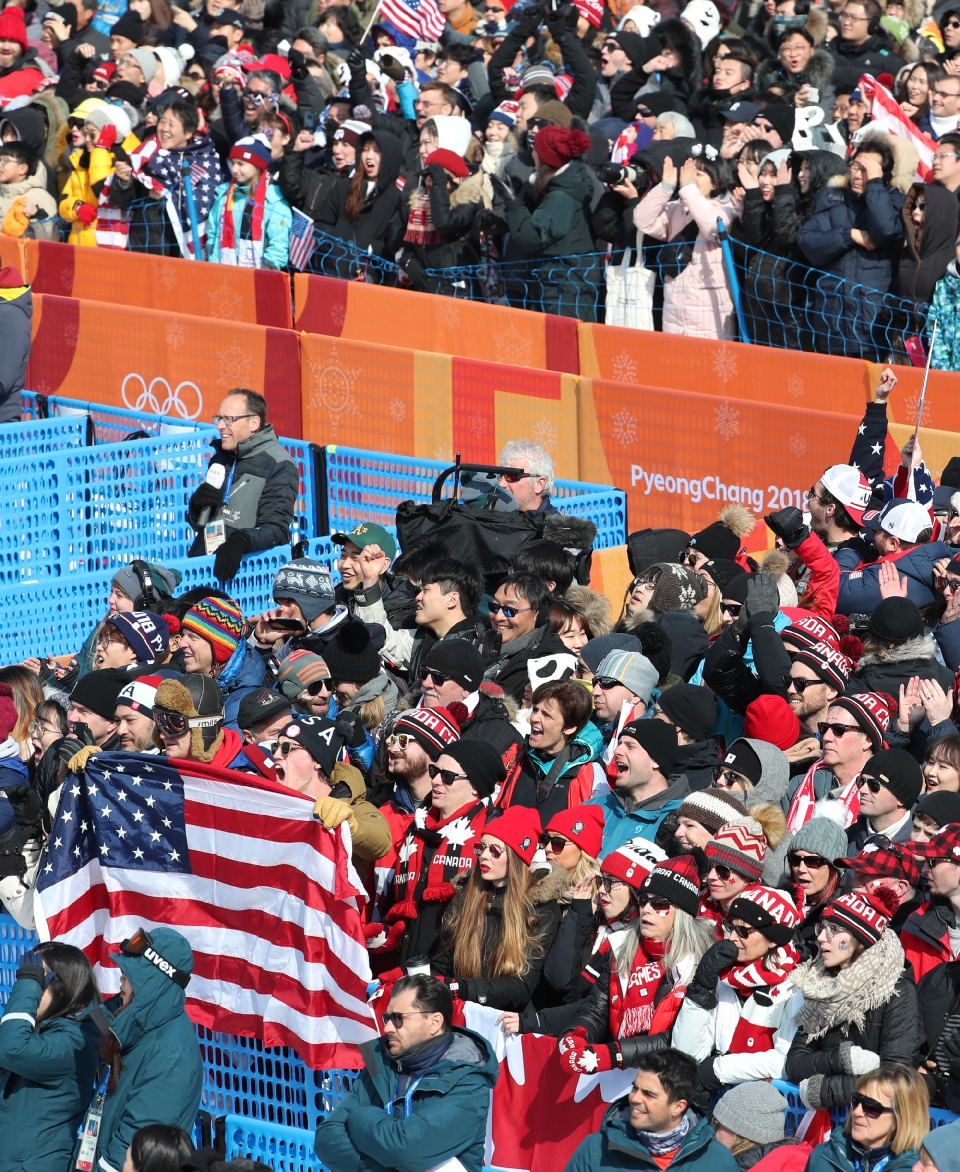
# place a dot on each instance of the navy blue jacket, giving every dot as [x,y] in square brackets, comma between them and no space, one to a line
[860,590]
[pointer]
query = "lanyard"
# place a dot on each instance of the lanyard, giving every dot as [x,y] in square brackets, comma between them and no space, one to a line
[408,1103]
[231,472]
[878,1167]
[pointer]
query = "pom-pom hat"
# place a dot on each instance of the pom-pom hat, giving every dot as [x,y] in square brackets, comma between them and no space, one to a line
[865,914]
[556,145]
[255,149]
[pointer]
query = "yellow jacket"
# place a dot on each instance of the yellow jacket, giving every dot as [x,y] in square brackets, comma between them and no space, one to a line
[83,186]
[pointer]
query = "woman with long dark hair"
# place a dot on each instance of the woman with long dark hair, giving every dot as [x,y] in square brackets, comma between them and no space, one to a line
[158,1148]
[48,1058]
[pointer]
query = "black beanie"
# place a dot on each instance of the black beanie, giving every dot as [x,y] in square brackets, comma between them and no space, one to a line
[98,690]
[131,26]
[736,588]
[783,119]
[639,49]
[951,474]
[481,762]
[896,620]
[723,571]
[658,738]
[458,659]
[942,807]
[351,656]
[716,541]
[899,772]
[691,708]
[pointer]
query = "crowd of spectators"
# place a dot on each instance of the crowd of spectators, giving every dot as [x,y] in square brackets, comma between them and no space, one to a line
[526,133]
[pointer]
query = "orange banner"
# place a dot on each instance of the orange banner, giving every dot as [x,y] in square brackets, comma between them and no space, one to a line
[411,402]
[12,255]
[166,363]
[441,325]
[939,406]
[254,296]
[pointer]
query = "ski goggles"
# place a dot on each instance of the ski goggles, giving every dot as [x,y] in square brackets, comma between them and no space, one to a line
[141,944]
[175,724]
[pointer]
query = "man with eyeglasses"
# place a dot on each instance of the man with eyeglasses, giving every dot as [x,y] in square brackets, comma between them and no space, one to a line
[863,45]
[247,499]
[426,1089]
[944,107]
[889,786]
[818,675]
[519,632]
[946,162]
[931,936]
[892,866]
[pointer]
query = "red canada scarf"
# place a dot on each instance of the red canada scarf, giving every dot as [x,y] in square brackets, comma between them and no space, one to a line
[454,837]
[757,1025]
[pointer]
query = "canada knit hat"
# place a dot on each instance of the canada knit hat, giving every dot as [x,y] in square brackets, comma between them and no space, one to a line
[691,708]
[306,582]
[677,880]
[768,909]
[98,690]
[740,846]
[350,655]
[658,738]
[633,670]
[459,660]
[481,762]
[146,634]
[896,620]
[770,718]
[712,808]
[143,57]
[899,772]
[808,631]
[556,145]
[865,914]
[13,27]
[518,827]
[829,664]
[754,1111]
[583,825]
[299,670]
[632,862]
[220,622]
[872,712]
[434,729]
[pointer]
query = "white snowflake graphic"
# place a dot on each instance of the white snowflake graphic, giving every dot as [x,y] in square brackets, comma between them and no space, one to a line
[545,434]
[338,315]
[71,335]
[225,303]
[477,424]
[728,420]
[624,428]
[913,403]
[409,848]
[624,369]
[441,454]
[798,445]
[168,276]
[725,363]
[449,313]
[512,348]
[795,386]
[458,832]
[398,410]
[333,387]
[176,335]
[236,366]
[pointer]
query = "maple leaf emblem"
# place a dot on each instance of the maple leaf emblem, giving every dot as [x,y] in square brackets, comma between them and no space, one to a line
[458,832]
[588,1061]
[408,849]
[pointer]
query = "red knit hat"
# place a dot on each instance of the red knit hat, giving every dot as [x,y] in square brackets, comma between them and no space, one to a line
[583,825]
[864,913]
[872,711]
[8,713]
[519,828]
[633,862]
[449,161]
[739,846]
[13,27]
[807,630]
[770,718]
[557,145]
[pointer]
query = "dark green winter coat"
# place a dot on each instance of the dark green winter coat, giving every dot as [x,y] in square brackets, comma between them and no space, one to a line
[46,1082]
[616,1145]
[162,1074]
[448,1117]
[837,1155]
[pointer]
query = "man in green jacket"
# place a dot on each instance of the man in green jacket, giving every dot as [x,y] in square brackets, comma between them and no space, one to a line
[657,1129]
[424,1095]
[161,1075]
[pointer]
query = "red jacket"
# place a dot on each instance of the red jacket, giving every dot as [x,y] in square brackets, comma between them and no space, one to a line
[823,587]
[925,940]
[786,1158]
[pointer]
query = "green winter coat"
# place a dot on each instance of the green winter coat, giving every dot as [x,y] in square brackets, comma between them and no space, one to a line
[616,1145]
[162,1074]
[448,1116]
[836,1155]
[46,1082]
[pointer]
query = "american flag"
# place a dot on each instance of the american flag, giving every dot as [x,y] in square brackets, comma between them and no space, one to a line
[886,113]
[266,896]
[302,240]
[417,18]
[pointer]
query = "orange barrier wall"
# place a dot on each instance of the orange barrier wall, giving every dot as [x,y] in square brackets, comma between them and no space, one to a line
[12,254]
[255,296]
[433,405]
[168,363]
[441,325]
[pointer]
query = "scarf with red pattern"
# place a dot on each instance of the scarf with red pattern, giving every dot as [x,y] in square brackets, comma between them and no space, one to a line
[773,969]
[453,838]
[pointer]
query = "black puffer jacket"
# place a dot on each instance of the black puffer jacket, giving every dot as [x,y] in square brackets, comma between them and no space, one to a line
[726,673]
[926,254]
[697,762]
[917,657]
[305,187]
[379,224]
[939,996]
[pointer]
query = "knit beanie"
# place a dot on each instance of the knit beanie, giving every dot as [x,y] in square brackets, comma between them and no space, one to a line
[459,660]
[872,711]
[896,620]
[723,571]
[8,712]
[321,737]
[770,718]
[717,540]
[712,808]
[556,114]
[299,670]
[164,581]
[753,1110]
[350,130]
[821,836]
[829,664]
[677,588]
[633,670]
[98,690]
[583,825]
[351,656]
[899,772]
[863,913]
[941,807]
[741,757]
[143,57]
[481,762]
[691,708]
[808,631]
[768,909]
[783,119]
[677,880]
[131,26]
[252,148]
[146,634]
[434,729]
[739,846]
[595,651]
[13,27]
[307,583]
[139,694]
[519,828]
[658,738]
[220,622]
[632,862]
[556,145]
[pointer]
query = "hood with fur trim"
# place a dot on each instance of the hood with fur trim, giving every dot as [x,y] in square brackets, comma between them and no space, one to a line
[921,648]
[594,607]
[905,155]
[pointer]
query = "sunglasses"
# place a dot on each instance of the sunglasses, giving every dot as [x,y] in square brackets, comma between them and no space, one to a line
[287,747]
[396,1019]
[811,862]
[951,584]
[732,608]
[727,776]
[508,612]
[438,677]
[400,740]
[722,872]
[605,682]
[447,776]
[744,931]
[871,783]
[657,902]
[838,730]
[929,863]
[952,24]
[554,842]
[800,686]
[494,849]
[870,1107]
[318,687]
[253,99]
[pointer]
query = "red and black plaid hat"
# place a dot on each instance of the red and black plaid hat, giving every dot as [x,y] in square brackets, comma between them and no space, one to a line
[945,844]
[808,632]
[863,913]
[829,664]
[871,711]
[434,729]
[879,861]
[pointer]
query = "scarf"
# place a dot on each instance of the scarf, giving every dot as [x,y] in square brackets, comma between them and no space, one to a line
[658,1143]
[630,1009]
[771,970]
[708,910]
[496,155]
[418,1060]
[845,997]
[453,838]
[250,253]
[420,229]
[804,800]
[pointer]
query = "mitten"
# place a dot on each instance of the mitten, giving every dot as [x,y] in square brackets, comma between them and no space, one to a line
[863,1061]
[810,1092]
[702,990]
[580,1057]
[85,213]
[229,555]
[78,762]
[788,524]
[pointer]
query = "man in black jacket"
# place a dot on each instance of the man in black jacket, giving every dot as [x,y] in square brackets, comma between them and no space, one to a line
[863,45]
[247,499]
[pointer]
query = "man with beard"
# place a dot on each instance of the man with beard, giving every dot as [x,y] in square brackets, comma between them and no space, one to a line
[305,680]
[818,675]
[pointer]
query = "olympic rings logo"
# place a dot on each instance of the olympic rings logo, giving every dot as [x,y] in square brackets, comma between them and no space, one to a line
[147,399]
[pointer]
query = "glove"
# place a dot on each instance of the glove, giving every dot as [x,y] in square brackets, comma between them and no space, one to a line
[85,213]
[31,968]
[580,1057]
[350,726]
[78,762]
[107,137]
[298,65]
[437,174]
[507,192]
[488,221]
[809,1091]
[332,811]
[206,497]
[788,524]
[528,23]
[357,64]
[863,1061]
[702,990]
[228,557]
[557,23]
[71,745]
[707,1074]
[763,597]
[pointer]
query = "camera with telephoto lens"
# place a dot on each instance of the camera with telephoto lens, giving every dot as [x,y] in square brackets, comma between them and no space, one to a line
[614,174]
[859,622]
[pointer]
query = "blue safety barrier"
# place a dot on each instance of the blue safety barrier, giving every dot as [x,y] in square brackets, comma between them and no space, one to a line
[285,1149]
[34,436]
[14,942]
[368,486]
[796,1110]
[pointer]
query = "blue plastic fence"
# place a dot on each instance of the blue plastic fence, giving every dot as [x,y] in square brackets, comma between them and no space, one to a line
[796,1110]
[285,1149]
[41,435]
[368,486]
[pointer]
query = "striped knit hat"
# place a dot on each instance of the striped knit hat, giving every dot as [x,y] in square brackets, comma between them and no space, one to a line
[872,711]
[829,664]
[677,880]
[631,669]
[434,729]
[863,913]
[298,671]
[220,622]
[632,862]
[712,808]
[808,631]
[772,912]
[739,846]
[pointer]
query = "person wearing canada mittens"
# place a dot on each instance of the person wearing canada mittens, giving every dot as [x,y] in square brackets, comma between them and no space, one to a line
[48,1058]
[737,1019]
[156,1074]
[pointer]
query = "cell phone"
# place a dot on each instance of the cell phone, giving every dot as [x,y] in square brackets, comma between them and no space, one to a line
[293,625]
[309,120]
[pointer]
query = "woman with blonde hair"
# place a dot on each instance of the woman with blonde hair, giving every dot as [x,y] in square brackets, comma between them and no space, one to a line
[889,1117]
[27,693]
